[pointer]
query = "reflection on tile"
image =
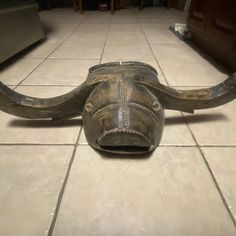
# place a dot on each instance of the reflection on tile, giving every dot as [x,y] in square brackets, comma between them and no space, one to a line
[13,73]
[127,51]
[79,50]
[31,178]
[145,196]
[216,126]
[17,130]
[61,72]
[222,162]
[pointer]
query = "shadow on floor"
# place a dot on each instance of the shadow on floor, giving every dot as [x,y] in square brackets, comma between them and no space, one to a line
[77,122]
[44,123]
[202,118]
[130,156]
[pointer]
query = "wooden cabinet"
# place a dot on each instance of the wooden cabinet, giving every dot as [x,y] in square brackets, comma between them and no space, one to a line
[213,25]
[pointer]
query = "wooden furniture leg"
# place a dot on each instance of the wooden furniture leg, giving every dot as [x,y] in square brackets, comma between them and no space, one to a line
[117,5]
[141,5]
[81,10]
[48,3]
[168,4]
[75,5]
[112,6]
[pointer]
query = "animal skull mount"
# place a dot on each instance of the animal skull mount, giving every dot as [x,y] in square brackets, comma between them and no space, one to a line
[122,105]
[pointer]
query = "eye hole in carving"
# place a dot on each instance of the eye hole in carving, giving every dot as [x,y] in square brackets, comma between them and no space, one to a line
[89,107]
[156,106]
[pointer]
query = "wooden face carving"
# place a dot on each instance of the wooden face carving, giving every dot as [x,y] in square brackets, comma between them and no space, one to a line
[122,105]
[129,119]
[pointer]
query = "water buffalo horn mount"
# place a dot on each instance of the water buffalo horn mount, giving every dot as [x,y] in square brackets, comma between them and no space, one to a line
[122,105]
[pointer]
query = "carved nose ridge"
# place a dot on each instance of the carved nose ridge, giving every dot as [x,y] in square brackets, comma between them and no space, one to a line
[124,141]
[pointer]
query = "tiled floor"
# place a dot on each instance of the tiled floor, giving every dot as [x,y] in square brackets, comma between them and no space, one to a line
[53,183]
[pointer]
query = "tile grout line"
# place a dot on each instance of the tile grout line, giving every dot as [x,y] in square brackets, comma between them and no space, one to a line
[61,193]
[83,144]
[145,36]
[104,45]
[224,201]
[44,59]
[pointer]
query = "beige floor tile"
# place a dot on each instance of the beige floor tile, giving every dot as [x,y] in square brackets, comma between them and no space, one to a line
[161,36]
[216,126]
[97,20]
[86,37]
[31,178]
[175,132]
[125,37]
[79,51]
[125,27]
[174,51]
[170,193]
[13,73]
[93,28]
[61,72]
[41,50]
[191,72]
[17,130]
[127,51]
[124,19]
[222,163]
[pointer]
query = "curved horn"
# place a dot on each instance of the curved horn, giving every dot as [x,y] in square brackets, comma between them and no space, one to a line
[66,106]
[189,100]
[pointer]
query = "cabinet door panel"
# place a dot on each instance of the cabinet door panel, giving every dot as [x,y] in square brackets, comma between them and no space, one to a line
[222,23]
[198,13]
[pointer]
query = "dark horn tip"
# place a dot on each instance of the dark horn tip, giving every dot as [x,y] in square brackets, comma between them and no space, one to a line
[231,81]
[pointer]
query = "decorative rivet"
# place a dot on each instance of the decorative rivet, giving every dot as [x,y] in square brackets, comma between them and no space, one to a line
[89,107]
[156,106]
